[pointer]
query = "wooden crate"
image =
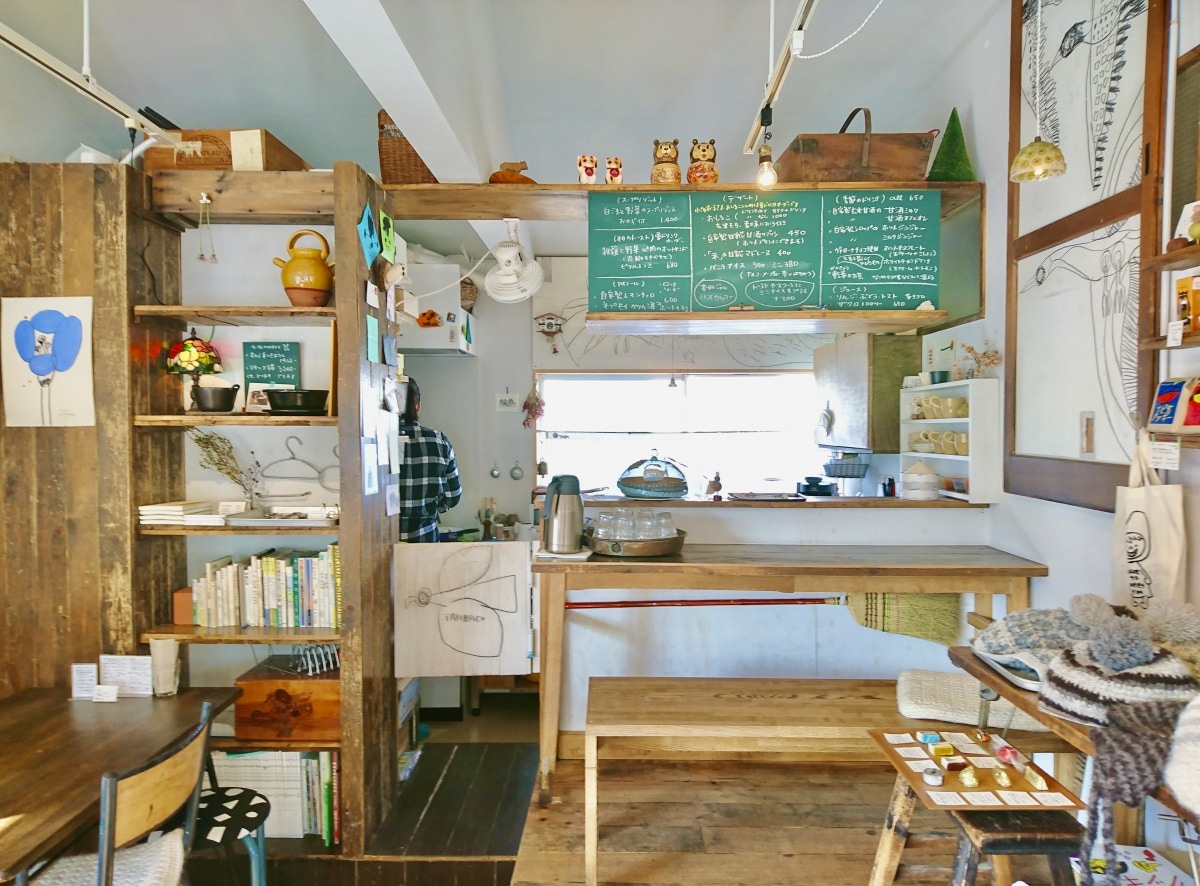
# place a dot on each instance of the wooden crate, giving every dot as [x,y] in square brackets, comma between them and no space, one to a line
[282,706]
[857,156]
[255,150]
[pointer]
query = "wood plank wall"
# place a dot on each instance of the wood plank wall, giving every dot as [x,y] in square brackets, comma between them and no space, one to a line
[366,537]
[69,556]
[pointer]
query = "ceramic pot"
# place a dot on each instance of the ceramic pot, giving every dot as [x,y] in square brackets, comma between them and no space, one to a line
[307,276]
[214,399]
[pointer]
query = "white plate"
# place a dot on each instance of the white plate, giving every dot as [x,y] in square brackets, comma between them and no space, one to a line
[1032,684]
[279,517]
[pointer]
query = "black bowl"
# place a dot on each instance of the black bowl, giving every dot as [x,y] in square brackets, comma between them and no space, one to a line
[813,481]
[297,402]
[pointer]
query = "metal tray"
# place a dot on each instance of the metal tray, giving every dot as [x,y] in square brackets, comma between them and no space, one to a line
[279,517]
[631,547]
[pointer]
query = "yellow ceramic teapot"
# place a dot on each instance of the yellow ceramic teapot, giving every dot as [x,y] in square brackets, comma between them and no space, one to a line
[307,276]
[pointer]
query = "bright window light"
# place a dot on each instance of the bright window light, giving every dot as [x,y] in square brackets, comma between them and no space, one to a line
[755,429]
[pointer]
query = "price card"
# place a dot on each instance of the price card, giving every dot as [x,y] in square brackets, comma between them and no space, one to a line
[1175,333]
[1164,454]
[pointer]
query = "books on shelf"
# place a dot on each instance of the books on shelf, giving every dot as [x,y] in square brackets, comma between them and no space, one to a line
[273,588]
[302,787]
[180,513]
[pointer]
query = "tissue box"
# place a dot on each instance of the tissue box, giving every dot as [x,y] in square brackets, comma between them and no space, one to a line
[243,149]
[279,705]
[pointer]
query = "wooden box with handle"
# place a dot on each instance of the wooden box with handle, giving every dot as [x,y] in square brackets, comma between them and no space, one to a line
[851,157]
[278,704]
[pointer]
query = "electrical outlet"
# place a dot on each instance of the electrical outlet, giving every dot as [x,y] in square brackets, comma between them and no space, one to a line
[1087,434]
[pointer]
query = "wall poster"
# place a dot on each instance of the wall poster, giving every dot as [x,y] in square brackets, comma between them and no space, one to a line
[46,361]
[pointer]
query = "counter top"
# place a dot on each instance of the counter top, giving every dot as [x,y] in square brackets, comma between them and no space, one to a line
[940,561]
[816,501]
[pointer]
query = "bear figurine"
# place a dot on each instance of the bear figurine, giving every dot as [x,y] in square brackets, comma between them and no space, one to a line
[703,170]
[665,170]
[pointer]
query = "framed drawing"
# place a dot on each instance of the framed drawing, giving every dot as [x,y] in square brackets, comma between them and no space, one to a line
[1078,306]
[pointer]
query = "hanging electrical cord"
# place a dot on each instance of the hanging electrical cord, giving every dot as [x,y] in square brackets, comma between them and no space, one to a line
[852,34]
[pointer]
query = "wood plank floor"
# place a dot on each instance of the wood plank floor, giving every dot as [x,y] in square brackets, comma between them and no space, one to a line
[709,823]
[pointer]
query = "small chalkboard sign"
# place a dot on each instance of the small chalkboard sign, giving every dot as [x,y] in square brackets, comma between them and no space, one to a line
[708,251]
[266,365]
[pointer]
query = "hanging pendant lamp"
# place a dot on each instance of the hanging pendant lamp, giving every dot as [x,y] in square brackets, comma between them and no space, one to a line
[1039,159]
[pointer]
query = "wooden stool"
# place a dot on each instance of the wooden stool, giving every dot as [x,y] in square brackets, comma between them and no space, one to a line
[1052,833]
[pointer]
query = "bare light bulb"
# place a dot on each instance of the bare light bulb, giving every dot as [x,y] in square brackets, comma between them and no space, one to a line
[767,177]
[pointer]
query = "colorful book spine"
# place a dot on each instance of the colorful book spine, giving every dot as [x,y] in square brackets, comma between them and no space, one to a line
[337,586]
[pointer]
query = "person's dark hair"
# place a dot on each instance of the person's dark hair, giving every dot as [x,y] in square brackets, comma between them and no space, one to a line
[412,402]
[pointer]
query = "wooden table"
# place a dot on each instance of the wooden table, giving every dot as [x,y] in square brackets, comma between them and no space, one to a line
[983,571]
[56,750]
[1076,734]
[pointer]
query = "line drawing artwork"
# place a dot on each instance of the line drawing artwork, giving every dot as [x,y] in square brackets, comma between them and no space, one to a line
[1093,54]
[748,351]
[468,607]
[45,349]
[1105,262]
[1137,550]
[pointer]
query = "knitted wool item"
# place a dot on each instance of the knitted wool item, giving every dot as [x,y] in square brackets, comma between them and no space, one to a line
[1032,636]
[1130,753]
[1077,687]
[1182,774]
[1173,623]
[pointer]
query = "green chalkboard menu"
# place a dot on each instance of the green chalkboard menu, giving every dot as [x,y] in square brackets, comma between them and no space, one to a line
[707,251]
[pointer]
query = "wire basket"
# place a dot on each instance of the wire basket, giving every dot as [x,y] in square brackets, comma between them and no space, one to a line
[846,469]
[399,163]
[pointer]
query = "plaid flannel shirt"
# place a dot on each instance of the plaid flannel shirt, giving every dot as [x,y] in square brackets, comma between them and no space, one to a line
[429,483]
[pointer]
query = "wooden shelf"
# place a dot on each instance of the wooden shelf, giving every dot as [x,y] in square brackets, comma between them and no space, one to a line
[270,636]
[237,530]
[307,197]
[1176,260]
[240,315]
[814,501]
[203,419]
[232,743]
[759,322]
[1159,343]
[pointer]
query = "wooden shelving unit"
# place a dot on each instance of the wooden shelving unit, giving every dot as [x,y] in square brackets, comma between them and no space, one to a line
[207,419]
[233,744]
[238,635]
[240,315]
[236,530]
[1176,260]
[759,322]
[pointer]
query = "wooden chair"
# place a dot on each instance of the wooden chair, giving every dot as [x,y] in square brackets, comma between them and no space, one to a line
[134,803]
[1053,833]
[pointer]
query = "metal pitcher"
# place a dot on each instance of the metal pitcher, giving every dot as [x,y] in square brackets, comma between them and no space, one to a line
[562,528]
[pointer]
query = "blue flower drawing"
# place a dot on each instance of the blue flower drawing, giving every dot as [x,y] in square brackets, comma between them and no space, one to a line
[49,343]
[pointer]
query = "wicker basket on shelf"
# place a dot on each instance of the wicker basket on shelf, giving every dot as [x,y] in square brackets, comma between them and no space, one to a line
[399,163]
[467,293]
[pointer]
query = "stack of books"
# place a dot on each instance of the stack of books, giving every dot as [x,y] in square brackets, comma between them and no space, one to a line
[303,787]
[180,513]
[273,588]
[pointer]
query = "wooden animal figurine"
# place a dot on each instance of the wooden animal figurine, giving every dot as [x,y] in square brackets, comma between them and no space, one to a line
[703,170]
[665,170]
[587,169]
[510,174]
[612,171]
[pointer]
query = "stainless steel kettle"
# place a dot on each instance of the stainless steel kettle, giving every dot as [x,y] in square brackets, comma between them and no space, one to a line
[562,528]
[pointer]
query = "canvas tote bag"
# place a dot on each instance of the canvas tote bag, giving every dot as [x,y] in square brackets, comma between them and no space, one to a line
[1149,550]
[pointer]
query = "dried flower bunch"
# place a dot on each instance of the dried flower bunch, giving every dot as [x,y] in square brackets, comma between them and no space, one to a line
[984,359]
[216,454]
[534,407]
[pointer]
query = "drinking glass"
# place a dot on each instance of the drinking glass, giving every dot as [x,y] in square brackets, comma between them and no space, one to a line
[664,526]
[604,525]
[623,523]
[643,524]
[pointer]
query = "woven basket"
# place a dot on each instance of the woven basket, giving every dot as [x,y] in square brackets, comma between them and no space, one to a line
[399,163]
[467,293]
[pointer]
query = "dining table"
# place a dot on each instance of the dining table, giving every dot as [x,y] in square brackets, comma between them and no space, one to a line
[56,749]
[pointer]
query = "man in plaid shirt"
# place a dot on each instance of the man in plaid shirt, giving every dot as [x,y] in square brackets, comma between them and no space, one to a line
[429,483]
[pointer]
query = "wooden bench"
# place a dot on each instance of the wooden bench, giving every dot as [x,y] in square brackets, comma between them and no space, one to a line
[828,717]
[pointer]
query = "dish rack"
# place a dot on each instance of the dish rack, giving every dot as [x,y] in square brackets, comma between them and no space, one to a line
[846,469]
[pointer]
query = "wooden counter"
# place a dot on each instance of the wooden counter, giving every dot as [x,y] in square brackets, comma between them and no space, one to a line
[817,569]
[816,501]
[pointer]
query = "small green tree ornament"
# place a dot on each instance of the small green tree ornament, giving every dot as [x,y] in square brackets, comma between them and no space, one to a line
[952,163]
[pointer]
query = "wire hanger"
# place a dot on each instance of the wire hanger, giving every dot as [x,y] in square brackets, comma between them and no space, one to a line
[315,474]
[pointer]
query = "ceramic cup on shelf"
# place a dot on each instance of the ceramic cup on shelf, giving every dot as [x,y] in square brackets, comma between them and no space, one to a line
[933,407]
[949,446]
[935,437]
[962,442]
[951,406]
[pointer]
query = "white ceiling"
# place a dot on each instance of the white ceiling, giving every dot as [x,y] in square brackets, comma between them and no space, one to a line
[477,82]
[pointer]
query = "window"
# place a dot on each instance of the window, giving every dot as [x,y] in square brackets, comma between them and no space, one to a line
[755,429]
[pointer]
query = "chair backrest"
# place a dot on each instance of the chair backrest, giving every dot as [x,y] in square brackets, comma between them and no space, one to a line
[135,802]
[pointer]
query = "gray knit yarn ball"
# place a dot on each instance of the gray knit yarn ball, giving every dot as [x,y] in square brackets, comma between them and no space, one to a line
[1121,643]
[1175,623]
[1089,609]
